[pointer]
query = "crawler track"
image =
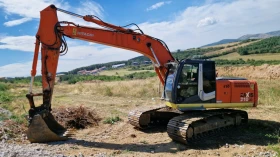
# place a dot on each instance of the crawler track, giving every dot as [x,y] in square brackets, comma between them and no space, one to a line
[144,119]
[193,126]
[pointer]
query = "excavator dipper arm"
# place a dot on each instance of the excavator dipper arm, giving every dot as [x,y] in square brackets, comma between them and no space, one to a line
[50,37]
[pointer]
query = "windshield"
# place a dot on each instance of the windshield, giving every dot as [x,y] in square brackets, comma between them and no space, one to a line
[169,83]
[188,82]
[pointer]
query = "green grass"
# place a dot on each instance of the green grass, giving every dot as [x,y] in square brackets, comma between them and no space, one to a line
[3,86]
[19,118]
[126,151]
[144,142]
[5,97]
[112,120]
[275,147]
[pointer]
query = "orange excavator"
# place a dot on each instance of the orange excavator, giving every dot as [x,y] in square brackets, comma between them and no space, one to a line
[197,102]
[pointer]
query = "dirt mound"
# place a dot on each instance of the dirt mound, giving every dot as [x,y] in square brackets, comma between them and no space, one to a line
[76,117]
[254,72]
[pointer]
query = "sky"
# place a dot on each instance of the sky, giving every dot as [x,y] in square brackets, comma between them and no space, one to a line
[182,24]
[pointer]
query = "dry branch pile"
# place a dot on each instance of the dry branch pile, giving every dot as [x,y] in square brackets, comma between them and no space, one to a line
[76,117]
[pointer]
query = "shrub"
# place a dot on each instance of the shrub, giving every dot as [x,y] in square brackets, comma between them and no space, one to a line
[112,120]
[108,91]
[5,97]
[3,86]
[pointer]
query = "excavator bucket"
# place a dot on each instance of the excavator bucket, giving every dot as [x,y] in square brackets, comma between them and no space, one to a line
[46,129]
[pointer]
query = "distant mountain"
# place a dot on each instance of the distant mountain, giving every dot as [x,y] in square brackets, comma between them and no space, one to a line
[246,37]
[224,41]
[260,36]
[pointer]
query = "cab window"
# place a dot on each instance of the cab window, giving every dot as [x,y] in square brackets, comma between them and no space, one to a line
[188,81]
[209,77]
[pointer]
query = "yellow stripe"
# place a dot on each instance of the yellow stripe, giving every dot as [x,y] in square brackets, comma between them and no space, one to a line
[209,105]
[171,105]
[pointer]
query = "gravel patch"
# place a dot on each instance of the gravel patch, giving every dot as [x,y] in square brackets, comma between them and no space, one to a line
[24,150]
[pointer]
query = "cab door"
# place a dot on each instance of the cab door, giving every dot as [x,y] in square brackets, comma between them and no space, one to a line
[187,83]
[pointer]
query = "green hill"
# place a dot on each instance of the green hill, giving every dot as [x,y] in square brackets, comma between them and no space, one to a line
[266,50]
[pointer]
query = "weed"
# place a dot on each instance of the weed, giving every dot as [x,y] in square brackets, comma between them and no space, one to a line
[108,91]
[144,142]
[275,135]
[5,97]
[112,120]
[126,151]
[19,118]
[275,148]
[74,147]
[3,86]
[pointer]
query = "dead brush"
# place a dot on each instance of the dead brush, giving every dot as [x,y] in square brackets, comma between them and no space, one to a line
[76,117]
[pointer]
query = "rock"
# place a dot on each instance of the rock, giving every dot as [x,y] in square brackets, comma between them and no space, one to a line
[81,155]
[217,153]
[5,112]
[227,145]
[152,151]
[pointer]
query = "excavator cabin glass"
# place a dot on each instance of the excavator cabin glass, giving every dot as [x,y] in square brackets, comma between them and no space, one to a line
[187,82]
[193,81]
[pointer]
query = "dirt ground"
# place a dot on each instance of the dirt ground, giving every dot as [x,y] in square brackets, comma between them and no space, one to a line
[121,139]
[260,137]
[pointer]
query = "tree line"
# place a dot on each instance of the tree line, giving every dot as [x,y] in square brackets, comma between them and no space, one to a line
[269,45]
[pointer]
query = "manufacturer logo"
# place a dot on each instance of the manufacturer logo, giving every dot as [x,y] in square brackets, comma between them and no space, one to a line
[85,34]
[246,96]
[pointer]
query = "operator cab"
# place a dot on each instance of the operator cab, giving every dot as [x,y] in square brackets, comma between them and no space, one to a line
[191,82]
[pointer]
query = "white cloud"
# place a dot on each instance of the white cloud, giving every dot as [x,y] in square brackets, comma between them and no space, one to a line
[90,8]
[30,8]
[21,43]
[230,19]
[28,11]
[235,18]
[157,5]
[77,56]
[6,17]
[206,22]
[17,22]
[16,69]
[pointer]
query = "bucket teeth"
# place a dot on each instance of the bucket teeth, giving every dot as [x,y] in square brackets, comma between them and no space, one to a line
[70,133]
